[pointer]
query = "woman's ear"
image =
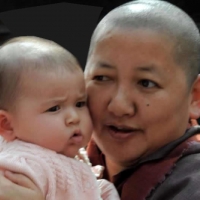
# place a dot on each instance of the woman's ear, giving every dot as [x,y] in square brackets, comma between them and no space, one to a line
[6,130]
[195,102]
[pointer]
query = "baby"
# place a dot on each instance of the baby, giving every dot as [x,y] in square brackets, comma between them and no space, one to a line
[44,120]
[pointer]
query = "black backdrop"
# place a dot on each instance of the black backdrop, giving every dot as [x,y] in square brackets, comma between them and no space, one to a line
[70,25]
[69,22]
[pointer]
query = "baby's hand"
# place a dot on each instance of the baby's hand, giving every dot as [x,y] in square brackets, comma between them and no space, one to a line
[83,157]
[98,171]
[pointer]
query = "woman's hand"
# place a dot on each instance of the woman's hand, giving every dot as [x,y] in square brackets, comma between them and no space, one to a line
[18,187]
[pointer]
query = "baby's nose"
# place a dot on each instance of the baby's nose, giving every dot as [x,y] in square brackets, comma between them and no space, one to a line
[72,117]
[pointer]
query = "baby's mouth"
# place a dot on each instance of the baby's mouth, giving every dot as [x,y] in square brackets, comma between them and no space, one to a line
[76,134]
[77,137]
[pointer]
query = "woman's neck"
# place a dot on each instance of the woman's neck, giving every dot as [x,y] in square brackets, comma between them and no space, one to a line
[113,168]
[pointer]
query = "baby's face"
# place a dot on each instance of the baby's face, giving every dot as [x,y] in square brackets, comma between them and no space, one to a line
[52,111]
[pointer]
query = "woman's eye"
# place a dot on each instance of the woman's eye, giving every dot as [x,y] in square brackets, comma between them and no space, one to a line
[101,78]
[54,109]
[81,104]
[147,83]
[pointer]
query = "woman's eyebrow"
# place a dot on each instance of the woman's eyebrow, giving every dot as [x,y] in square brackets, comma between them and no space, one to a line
[105,65]
[151,69]
[145,68]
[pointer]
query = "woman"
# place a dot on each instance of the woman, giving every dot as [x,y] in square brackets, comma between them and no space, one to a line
[143,87]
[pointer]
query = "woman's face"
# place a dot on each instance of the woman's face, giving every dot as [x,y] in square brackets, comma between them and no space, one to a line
[138,96]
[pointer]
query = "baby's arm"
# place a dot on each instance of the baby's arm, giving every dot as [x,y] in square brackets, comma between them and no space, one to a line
[29,160]
[28,167]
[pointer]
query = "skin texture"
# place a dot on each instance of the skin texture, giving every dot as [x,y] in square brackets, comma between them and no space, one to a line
[29,52]
[134,84]
[49,109]
[53,104]
[142,89]
[129,85]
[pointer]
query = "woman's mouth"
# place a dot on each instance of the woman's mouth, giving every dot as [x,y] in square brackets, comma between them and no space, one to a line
[121,132]
[120,129]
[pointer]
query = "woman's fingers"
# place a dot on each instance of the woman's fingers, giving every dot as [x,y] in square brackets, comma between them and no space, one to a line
[6,189]
[18,187]
[20,179]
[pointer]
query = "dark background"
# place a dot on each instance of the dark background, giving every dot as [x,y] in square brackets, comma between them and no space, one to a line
[69,23]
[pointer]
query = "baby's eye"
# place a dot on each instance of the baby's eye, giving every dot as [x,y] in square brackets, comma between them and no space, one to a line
[54,109]
[147,83]
[101,78]
[81,104]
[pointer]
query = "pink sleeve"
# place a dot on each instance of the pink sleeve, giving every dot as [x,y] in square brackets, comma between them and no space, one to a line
[108,191]
[32,168]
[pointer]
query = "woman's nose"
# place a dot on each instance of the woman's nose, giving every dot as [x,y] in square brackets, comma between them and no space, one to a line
[72,117]
[122,104]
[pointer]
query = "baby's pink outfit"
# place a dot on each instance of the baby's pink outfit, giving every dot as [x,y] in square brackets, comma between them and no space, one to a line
[58,177]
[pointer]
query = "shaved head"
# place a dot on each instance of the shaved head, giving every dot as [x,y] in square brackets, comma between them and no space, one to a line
[163,18]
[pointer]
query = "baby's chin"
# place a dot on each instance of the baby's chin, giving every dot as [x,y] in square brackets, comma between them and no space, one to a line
[71,153]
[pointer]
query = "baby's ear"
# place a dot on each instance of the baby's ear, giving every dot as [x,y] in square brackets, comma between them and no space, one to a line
[6,130]
[195,102]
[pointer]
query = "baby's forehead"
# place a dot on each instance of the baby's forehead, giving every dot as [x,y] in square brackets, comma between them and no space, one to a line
[41,81]
[49,89]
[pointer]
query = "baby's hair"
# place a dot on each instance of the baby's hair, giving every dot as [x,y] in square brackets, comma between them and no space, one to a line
[29,53]
[161,17]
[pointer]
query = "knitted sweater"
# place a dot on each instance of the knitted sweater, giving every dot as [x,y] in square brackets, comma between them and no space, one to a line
[57,176]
